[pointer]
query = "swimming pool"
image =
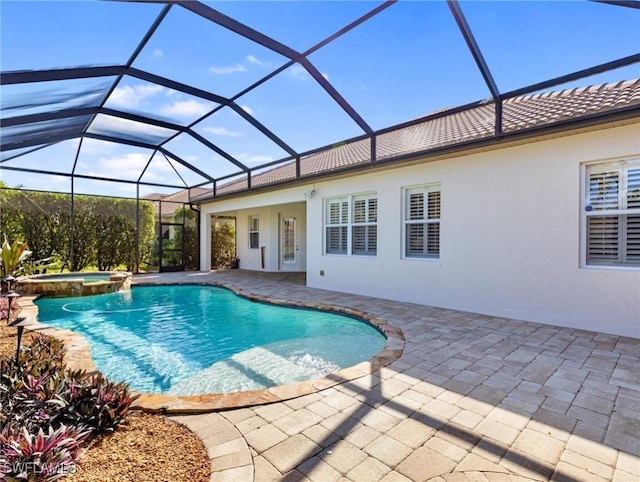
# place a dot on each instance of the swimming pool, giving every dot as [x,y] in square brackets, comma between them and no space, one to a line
[192,339]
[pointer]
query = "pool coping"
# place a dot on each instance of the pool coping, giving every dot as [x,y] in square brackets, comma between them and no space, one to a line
[78,356]
[73,284]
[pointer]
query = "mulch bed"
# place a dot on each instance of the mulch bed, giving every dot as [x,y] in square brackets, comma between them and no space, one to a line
[145,448]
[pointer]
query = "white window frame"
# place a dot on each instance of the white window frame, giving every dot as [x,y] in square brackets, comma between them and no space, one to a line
[620,207]
[254,231]
[346,222]
[425,221]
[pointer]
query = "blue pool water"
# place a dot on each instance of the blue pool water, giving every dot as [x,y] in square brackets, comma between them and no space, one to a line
[187,339]
[87,278]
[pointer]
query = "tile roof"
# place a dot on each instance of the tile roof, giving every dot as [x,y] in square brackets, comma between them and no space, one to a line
[443,129]
[170,202]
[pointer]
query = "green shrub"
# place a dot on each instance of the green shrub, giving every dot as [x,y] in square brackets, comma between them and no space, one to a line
[223,244]
[99,404]
[101,231]
[41,392]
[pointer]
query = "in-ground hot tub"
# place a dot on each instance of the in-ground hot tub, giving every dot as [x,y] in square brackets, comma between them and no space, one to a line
[75,284]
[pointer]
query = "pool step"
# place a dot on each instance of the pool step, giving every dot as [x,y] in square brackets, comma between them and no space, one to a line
[157,362]
[248,370]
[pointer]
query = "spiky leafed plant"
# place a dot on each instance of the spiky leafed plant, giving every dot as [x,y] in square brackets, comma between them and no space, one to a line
[11,255]
[41,456]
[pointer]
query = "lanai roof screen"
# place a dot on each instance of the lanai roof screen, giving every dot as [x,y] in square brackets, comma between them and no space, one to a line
[162,96]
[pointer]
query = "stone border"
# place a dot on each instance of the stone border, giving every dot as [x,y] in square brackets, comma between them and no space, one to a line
[79,356]
[78,352]
[73,284]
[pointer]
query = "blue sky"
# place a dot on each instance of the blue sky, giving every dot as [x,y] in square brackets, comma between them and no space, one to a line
[404,63]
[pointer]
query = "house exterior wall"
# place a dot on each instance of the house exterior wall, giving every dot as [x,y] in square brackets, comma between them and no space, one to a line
[510,235]
[269,207]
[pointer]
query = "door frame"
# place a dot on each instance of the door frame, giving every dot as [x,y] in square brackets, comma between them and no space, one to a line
[282,266]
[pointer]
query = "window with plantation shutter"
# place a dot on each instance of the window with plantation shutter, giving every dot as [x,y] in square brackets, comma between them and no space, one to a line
[612,213]
[337,220]
[364,228]
[422,222]
[351,225]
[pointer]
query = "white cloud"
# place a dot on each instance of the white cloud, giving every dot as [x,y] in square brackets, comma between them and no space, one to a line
[95,146]
[127,96]
[228,69]
[221,131]
[249,159]
[185,108]
[126,188]
[256,61]
[247,109]
[132,160]
[299,72]
[129,166]
[259,159]
[114,126]
[157,54]
[55,180]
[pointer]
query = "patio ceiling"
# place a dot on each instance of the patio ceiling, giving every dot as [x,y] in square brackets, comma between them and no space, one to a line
[243,94]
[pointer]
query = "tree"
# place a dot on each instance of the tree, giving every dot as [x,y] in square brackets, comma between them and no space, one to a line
[190,246]
[101,231]
[223,243]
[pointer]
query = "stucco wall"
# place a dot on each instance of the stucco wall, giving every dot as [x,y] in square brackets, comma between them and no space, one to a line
[269,216]
[510,236]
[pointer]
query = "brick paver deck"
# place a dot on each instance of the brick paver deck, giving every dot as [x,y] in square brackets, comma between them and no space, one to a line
[472,398]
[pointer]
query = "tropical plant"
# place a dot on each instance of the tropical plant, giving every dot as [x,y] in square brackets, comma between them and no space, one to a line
[11,255]
[31,266]
[6,314]
[39,457]
[40,393]
[46,411]
[99,403]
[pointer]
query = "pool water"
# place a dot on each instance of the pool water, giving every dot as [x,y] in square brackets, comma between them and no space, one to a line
[188,339]
[86,279]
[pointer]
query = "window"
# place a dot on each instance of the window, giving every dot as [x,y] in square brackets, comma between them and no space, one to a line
[254,232]
[364,238]
[612,213]
[422,222]
[337,225]
[351,225]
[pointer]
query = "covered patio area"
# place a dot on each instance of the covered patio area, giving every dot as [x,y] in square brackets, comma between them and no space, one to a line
[472,397]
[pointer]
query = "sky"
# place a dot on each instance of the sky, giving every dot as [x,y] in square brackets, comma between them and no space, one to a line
[405,62]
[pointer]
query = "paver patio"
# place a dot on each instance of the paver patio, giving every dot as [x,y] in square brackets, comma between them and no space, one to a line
[472,398]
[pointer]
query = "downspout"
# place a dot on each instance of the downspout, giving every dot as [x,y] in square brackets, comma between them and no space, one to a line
[73,222]
[137,265]
[196,208]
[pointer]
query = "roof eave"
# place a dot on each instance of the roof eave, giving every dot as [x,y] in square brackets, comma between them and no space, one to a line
[596,119]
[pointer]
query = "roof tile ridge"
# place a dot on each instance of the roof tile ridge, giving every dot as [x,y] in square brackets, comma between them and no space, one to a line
[572,91]
[631,83]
